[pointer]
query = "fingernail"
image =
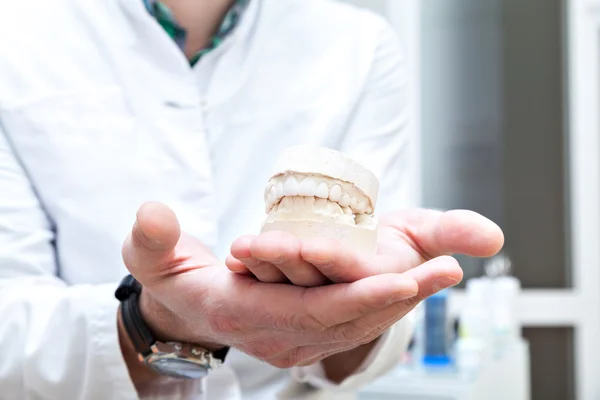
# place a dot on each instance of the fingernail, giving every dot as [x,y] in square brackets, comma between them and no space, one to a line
[443,283]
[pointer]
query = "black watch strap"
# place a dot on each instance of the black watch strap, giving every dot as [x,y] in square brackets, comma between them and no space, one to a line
[128,294]
[141,335]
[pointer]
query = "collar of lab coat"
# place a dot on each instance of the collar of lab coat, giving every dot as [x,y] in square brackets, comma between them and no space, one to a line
[138,25]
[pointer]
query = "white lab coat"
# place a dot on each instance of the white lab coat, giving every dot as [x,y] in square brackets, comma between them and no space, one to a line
[100,112]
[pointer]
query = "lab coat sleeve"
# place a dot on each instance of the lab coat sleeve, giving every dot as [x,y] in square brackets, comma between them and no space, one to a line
[378,137]
[56,341]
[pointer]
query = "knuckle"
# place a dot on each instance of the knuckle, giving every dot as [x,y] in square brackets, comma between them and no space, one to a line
[366,304]
[347,332]
[370,337]
[306,322]
[375,333]
[367,325]
[412,302]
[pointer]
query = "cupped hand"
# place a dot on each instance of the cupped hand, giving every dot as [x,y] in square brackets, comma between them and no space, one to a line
[406,239]
[189,296]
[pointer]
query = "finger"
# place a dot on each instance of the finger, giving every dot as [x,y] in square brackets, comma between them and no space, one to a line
[263,271]
[240,248]
[439,233]
[289,353]
[282,250]
[359,298]
[339,263]
[148,249]
[433,276]
[307,355]
[236,266]
[291,308]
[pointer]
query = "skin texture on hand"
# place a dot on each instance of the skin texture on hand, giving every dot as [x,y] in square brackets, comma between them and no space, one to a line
[410,243]
[406,240]
[189,296]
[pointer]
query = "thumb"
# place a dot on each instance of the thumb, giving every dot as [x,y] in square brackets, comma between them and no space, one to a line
[149,248]
[438,233]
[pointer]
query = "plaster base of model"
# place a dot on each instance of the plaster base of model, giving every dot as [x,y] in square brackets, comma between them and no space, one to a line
[321,193]
[359,239]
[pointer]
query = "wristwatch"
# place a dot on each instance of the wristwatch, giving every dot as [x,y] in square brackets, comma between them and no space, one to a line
[178,360]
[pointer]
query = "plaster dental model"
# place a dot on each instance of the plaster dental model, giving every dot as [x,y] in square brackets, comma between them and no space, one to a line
[319,192]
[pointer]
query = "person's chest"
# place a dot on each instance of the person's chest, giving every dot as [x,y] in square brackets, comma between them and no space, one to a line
[116,117]
[105,114]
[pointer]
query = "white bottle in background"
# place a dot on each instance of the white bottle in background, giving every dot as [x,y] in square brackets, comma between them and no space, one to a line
[476,318]
[473,347]
[504,296]
[503,300]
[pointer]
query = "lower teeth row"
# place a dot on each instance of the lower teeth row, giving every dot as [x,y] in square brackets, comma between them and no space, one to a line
[310,204]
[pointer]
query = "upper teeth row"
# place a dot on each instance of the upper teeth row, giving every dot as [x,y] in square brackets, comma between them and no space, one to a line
[343,193]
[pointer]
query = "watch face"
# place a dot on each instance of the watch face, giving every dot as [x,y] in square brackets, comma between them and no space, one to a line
[178,368]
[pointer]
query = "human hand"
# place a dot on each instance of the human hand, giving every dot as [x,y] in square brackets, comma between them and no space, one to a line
[406,239]
[189,296]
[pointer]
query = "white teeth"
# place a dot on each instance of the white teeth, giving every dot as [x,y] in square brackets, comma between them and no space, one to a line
[345,219]
[290,188]
[306,192]
[322,191]
[286,205]
[365,220]
[333,208]
[335,194]
[362,205]
[345,200]
[279,190]
[360,218]
[320,204]
[308,187]
[268,202]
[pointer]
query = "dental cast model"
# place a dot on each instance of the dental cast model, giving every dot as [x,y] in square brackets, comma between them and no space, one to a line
[319,192]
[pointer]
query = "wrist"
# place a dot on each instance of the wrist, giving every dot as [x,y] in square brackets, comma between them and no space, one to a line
[139,372]
[148,382]
[169,327]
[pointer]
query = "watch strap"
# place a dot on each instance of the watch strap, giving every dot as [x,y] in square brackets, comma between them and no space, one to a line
[221,354]
[142,337]
[140,334]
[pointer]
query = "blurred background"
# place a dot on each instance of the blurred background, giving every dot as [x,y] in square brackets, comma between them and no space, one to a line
[505,106]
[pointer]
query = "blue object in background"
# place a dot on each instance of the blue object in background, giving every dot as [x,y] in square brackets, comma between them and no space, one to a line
[436,346]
